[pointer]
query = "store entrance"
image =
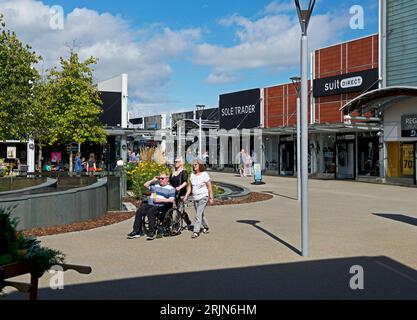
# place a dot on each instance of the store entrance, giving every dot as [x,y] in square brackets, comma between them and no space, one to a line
[345,157]
[286,150]
[368,156]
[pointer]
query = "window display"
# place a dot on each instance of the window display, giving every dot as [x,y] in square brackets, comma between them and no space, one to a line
[326,158]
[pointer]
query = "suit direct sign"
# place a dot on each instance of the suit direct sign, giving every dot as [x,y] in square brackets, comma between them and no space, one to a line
[240,110]
[351,82]
[409,126]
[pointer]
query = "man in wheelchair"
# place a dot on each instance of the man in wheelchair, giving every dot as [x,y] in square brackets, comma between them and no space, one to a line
[162,199]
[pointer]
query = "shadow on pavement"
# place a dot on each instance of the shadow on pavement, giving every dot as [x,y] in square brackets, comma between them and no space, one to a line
[327,279]
[280,195]
[398,217]
[254,223]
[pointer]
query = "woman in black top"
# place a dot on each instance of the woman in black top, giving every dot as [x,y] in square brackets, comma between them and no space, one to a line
[179,180]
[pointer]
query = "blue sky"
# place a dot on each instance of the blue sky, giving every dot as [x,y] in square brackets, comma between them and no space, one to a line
[182,53]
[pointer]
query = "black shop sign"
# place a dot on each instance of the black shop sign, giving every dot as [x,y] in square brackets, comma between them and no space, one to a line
[409,126]
[362,81]
[240,110]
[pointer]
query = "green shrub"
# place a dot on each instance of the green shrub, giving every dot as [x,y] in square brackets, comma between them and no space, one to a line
[217,191]
[14,247]
[145,171]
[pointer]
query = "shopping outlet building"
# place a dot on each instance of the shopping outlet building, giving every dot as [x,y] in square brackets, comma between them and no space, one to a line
[363,107]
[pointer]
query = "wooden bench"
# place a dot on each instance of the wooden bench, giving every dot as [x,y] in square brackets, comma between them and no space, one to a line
[21,268]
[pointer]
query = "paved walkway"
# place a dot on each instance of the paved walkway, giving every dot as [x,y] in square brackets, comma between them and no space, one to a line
[253,249]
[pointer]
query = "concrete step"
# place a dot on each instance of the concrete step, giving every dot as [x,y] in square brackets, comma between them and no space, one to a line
[129,207]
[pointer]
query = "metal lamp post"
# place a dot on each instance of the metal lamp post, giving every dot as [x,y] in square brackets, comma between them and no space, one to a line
[296,82]
[200,108]
[304,16]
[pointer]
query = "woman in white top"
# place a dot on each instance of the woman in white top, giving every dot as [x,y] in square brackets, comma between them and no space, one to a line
[202,192]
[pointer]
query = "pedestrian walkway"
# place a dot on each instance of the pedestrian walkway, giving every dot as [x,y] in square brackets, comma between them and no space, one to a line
[252,251]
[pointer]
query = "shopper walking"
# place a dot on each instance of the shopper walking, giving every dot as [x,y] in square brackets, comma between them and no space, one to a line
[202,193]
[91,164]
[179,180]
[78,165]
[248,165]
[242,162]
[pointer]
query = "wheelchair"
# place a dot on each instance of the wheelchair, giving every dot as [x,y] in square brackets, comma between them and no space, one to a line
[168,224]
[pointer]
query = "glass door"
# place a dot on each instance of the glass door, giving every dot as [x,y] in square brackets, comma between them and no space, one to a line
[287,158]
[345,160]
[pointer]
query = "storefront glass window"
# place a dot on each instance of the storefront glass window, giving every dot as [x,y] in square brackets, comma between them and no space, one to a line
[271,153]
[407,160]
[345,161]
[286,150]
[326,158]
[401,160]
[415,163]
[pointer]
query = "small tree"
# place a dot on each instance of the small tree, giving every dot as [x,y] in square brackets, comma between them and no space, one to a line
[18,76]
[76,103]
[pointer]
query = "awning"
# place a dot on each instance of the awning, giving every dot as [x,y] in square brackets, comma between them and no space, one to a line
[378,100]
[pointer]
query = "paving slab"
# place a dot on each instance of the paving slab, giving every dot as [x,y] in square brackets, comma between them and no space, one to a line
[253,250]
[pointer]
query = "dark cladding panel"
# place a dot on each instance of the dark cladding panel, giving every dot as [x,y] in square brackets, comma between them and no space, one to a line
[112,108]
[182,116]
[240,110]
[211,114]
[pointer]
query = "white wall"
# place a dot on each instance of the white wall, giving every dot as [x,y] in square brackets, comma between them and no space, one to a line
[392,119]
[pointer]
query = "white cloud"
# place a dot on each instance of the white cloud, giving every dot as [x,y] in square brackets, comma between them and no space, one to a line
[270,42]
[276,8]
[220,77]
[144,54]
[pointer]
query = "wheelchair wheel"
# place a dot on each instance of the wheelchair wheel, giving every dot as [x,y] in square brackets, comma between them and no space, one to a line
[173,220]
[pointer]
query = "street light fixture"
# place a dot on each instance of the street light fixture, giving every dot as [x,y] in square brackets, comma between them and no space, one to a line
[297,86]
[200,108]
[304,15]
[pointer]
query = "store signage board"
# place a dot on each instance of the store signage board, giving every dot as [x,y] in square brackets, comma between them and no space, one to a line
[409,126]
[257,173]
[240,110]
[346,137]
[286,139]
[361,81]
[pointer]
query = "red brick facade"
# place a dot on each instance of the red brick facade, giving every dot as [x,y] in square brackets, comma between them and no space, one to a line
[352,56]
[281,106]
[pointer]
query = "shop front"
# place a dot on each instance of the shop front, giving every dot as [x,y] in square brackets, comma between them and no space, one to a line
[397,137]
[13,157]
[323,155]
[401,160]
[368,154]
[345,156]
[271,154]
[287,155]
[402,154]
